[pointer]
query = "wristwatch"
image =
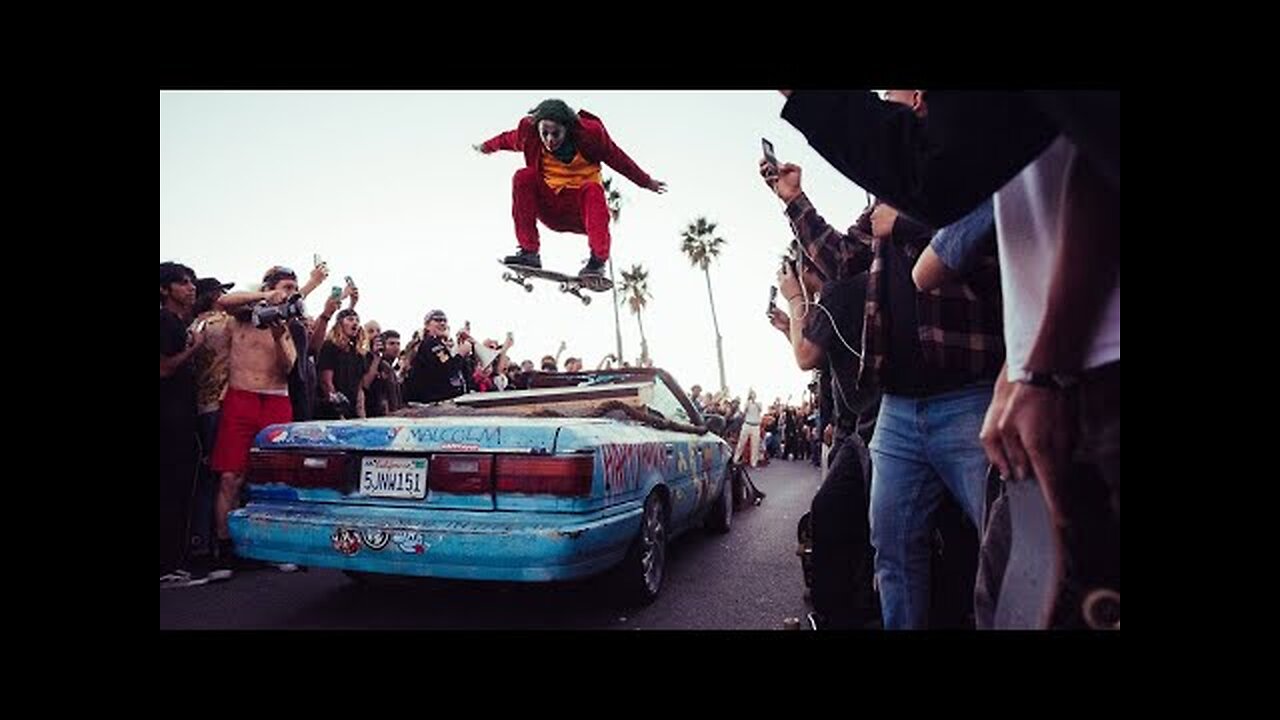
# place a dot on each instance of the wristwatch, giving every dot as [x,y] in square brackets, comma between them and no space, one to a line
[1052,381]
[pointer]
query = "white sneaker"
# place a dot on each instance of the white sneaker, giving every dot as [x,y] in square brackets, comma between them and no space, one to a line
[181,578]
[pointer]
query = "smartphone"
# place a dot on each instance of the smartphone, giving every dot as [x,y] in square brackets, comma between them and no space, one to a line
[318,262]
[335,293]
[773,298]
[351,282]
[769,157]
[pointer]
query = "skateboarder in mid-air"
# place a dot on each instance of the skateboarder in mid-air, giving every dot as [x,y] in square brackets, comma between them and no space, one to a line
[560,183]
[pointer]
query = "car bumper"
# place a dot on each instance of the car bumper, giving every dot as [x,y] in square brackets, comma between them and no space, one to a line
[512,546]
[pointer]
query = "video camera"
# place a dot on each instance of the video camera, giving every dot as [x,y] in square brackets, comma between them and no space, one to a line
[264,314]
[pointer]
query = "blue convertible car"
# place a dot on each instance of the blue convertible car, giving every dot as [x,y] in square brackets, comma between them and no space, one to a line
[581,474]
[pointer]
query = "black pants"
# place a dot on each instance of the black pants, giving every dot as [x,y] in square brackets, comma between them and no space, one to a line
[178,462]
[1091,540]
[842,554]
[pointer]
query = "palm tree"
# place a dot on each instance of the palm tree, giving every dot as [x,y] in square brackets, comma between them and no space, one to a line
[635,289]
[613,199]
[701,247]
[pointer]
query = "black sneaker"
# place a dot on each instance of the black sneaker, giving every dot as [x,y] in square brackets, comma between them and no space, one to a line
[525,258]
[593,268]
[224,565]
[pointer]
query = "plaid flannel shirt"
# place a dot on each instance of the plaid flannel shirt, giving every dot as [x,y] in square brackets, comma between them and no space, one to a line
[959,325]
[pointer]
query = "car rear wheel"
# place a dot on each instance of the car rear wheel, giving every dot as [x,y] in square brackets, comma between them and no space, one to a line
[643,569]
[721,517]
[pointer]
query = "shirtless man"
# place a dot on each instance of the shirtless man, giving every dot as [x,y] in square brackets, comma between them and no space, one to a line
[257,394]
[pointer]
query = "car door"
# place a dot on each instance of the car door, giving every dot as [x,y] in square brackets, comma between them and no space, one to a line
[686,476]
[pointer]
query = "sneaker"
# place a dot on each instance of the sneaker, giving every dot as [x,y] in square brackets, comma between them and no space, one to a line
[594,268]
[286,567]
[174,577]
[225,563]
[182,578]
[525,258]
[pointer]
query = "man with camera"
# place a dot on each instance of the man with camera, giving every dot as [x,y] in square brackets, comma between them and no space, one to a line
[261,356]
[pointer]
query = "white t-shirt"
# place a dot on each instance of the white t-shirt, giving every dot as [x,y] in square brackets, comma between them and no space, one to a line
[1029,230]
[752,413]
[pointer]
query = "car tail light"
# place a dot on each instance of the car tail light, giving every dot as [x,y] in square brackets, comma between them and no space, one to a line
[461,474]
[300,469]
[570,475]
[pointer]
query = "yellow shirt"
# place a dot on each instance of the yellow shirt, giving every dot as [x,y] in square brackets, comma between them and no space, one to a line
[575,174]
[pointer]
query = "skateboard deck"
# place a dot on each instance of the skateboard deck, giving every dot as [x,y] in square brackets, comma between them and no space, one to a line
[1030,580]
[572,284]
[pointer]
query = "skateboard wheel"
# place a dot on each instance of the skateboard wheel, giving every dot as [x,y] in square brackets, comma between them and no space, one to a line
[586,300]
[1102,609]
[528,287]
[507,277]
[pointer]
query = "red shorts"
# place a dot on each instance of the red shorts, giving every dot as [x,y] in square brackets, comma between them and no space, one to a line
[244,413]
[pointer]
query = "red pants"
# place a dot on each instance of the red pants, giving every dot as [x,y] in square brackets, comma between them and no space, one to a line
[576,210]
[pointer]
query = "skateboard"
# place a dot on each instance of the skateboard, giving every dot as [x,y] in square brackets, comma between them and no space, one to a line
[572,284]
[1036,576]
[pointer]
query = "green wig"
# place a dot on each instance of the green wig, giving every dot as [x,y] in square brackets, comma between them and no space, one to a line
[557,110]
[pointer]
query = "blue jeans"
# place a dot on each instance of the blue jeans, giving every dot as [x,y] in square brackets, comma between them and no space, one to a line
[921,448]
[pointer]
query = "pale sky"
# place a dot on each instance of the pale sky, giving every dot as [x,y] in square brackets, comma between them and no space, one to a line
[385,187]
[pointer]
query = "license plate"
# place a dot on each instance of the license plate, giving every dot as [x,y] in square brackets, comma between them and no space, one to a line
[390,477]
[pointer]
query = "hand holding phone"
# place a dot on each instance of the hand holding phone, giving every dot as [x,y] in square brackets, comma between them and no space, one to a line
[335,293]
[769,157]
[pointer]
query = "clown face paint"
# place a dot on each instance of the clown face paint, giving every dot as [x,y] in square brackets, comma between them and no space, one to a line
[552,134]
